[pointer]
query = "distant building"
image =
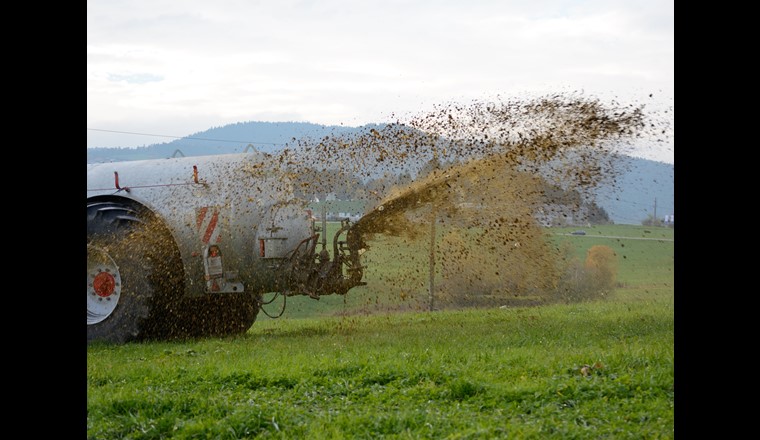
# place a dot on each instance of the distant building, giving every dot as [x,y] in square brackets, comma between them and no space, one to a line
[558,214]
[339,209]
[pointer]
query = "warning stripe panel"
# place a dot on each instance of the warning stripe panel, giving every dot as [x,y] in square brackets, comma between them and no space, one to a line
[207,225]
[201,215]
[211,228]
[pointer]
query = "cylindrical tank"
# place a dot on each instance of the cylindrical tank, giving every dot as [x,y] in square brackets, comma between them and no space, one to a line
[234,201]
[210,226]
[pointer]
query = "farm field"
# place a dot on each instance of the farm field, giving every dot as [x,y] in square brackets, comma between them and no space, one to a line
[356,367]
[646,264]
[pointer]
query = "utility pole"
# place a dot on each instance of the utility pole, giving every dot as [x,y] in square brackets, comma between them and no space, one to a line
[431,284]
[655,212]
[433,215]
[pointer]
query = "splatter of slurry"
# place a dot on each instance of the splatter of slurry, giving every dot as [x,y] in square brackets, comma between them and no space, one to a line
[483,177]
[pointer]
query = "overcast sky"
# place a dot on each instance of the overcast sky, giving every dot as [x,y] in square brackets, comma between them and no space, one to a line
[178,67]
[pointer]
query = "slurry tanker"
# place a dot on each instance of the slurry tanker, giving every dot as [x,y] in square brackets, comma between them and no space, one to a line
[189,246]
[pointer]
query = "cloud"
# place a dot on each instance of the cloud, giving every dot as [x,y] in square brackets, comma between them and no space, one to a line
[348,62]
[135,78]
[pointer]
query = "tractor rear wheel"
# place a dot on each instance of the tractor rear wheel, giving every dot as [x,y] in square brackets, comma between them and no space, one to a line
[134,273]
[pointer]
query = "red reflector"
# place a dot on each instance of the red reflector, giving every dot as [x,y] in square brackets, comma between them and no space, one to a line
[262,254]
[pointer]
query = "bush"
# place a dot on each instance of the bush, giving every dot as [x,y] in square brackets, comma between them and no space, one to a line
[592,279]
[601,264]
[651,221]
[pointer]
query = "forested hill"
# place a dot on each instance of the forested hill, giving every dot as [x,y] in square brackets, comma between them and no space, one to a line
[233,138]
[645,185]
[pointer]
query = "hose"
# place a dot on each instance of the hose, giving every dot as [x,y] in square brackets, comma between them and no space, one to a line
[284,301]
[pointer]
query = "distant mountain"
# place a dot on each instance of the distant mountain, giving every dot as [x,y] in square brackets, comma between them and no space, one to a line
[233,138]
[630,201]
[643,186]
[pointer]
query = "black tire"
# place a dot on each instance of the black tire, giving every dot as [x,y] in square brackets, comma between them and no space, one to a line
[215,315]
[144,279]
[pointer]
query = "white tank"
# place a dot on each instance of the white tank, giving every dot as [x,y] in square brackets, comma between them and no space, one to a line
[219,226]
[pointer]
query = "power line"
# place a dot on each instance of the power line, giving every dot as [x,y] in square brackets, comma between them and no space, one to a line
[181,137]
[599,199]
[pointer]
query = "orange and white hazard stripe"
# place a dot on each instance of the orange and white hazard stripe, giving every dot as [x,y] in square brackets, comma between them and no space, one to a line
[207,221]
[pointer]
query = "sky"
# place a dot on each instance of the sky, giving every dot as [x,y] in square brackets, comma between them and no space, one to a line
[174,68]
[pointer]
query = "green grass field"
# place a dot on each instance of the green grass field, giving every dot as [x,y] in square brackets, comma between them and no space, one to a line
[645,268]
[326,370]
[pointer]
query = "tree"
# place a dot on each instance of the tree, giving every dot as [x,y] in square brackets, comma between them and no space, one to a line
[430,166]
[403,179]
[597,215]
[651,221]
[601,262]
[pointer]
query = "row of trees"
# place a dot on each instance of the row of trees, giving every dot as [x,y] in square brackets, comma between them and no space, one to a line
[651,220]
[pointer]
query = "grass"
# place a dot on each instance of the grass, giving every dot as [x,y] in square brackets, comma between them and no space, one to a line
[645,254]
[646,263]
[489,373]
[450,374]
